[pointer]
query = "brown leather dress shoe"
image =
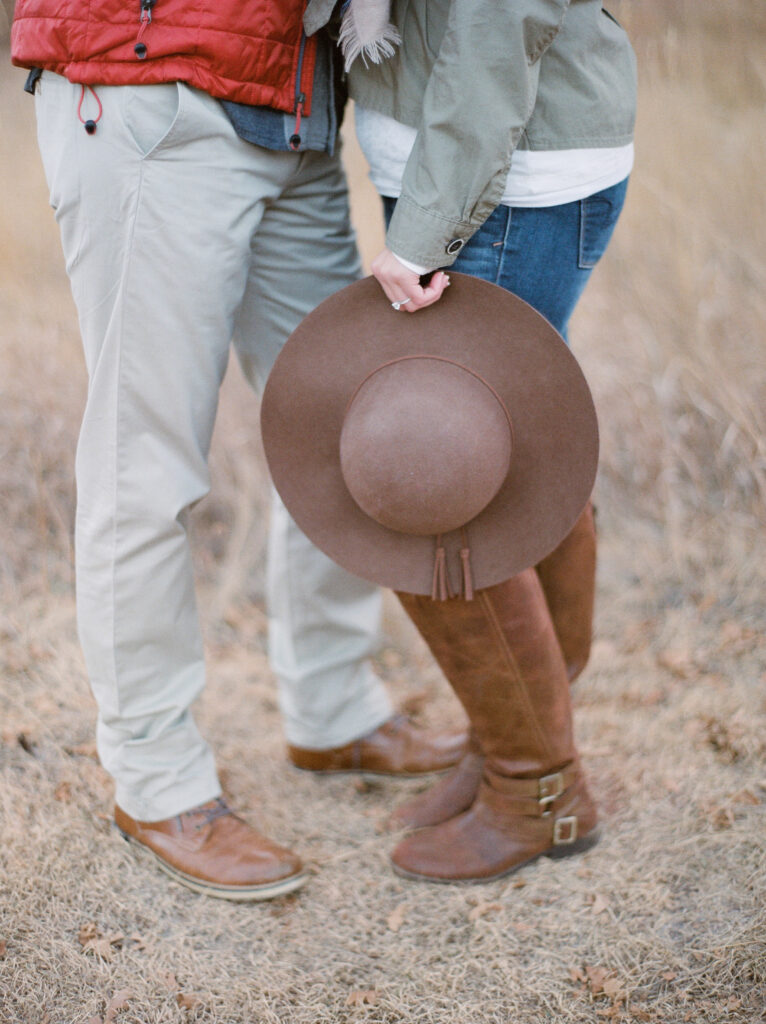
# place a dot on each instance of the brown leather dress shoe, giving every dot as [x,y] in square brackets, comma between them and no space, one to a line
[396,748]
[212,851]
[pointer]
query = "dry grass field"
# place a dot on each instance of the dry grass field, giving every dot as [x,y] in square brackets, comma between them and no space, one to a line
[665,920]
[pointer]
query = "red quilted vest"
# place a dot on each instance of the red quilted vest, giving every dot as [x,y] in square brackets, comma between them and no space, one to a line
[251,51]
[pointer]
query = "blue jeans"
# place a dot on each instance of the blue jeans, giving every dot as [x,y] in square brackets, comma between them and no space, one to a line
[546,254]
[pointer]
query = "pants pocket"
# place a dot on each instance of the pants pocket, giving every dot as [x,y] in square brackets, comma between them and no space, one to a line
[598,217]
[150,113]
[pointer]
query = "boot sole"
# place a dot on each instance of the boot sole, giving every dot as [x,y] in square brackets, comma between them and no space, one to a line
[554,853]
[237,893]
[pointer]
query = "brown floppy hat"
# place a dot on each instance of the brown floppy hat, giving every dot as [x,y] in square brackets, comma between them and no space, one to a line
[434,452]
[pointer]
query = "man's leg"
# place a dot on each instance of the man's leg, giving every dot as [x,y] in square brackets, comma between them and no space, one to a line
[157,210]
[324,622]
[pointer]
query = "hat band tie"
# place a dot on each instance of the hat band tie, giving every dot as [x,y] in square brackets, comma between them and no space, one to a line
[465,561]
[440,587]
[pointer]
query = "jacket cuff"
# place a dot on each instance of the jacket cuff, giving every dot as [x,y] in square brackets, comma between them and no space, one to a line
[426,238]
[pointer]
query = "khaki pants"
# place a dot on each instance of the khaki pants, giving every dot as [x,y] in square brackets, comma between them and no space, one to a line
[179,237]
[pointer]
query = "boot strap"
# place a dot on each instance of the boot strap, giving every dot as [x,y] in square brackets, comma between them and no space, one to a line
[527,818]
[544,790]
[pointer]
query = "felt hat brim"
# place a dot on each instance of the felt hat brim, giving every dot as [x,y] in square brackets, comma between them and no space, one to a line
[494,334]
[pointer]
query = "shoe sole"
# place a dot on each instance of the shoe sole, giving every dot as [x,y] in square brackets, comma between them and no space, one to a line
[365,772]
[237,893]
[554,853]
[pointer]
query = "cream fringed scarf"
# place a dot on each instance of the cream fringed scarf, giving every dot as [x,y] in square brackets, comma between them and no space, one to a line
[366,31]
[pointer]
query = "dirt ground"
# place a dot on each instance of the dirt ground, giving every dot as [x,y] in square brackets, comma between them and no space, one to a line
[665,919]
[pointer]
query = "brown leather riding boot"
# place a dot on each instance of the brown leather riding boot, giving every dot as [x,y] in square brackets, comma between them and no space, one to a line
[501,656]
[452,794]
[568,578]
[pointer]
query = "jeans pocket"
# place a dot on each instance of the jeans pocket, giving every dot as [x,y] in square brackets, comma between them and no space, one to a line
[598,217]
[150,113]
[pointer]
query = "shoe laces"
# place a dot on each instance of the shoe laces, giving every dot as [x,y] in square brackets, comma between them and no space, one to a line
[219,809]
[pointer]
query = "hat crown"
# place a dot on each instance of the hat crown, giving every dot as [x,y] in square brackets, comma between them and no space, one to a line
[425,445]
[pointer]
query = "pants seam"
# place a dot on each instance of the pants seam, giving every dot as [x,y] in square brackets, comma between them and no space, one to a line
[519,685]
[503,247]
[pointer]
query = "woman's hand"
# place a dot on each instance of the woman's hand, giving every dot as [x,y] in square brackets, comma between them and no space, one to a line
[403,285]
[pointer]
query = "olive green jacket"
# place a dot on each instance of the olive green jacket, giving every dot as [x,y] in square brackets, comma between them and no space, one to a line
[480,78]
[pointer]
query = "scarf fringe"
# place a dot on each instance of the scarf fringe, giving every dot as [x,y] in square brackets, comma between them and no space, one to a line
[373,44]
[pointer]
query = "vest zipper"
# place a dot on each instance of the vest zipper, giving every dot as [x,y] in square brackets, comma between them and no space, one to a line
[144,19]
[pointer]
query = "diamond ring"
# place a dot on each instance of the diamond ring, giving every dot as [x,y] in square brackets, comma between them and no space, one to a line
[400,303]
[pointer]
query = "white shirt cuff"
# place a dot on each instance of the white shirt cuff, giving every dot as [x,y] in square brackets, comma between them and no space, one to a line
[416,268]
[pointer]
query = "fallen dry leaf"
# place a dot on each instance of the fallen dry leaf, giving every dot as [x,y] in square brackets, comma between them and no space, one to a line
[722,818]
[669,975]
[94,941]
[102,948]
[725,737]
[63,792]
[83,750]
[362,997]
[119,1001]
[596,978]
[395,919]
[188,1000]
[613,989]
[638,1013]
[168,981]
[366,784]
[609,1011]
[745,796]
[3,949]
[27,743]
[88,931]
[600,904]
[679,663]
[483,908]
[733,633]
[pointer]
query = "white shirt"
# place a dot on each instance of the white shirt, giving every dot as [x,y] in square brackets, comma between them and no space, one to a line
[535,178]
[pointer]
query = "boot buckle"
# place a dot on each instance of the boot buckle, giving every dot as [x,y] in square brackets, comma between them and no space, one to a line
[549,788]
[565,830]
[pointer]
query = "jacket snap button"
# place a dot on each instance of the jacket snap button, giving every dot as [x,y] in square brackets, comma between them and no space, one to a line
[455,246]
[140,50]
